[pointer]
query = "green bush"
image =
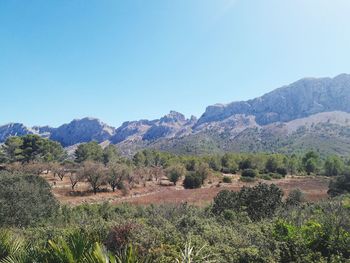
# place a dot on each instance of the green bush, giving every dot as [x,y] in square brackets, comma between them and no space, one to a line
[247,179]
[192,181]
[25,200]
[275,176]
[259,202]
[282,171]
[249,173]
[227,179]
[266,177]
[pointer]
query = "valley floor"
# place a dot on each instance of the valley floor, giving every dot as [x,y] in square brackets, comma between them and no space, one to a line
[314,188]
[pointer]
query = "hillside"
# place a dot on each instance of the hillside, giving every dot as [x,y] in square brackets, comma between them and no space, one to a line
[309,113]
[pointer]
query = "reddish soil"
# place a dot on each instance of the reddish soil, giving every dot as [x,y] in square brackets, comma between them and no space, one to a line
[314,188]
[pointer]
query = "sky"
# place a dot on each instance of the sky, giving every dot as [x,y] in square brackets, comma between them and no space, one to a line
[138,59]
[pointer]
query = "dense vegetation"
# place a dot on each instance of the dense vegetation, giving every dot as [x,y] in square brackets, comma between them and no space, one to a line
[257,224]
[253,225]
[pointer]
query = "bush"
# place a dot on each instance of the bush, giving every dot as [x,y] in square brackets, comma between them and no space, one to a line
[266,177]
[227,179]
[259,202]
[295,197]
[247,179]
[192,181]
[275,176]
[249,173]
[25,200]
[175,172]
[282,171]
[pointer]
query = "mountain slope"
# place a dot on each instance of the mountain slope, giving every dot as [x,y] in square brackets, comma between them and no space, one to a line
[300,99]
[309,113]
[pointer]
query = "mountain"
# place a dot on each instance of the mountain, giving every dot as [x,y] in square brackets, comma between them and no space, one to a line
[82,130]
[309,113]
[298,100]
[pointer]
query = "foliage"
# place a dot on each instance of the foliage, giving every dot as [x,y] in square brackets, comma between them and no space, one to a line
[249,173]
[25,200]
[90,151]
[94,173]
[227,179]
[175,172]
[259,202]
[192,180]
[31,147]
[333,166]
[340,185]
[295,198]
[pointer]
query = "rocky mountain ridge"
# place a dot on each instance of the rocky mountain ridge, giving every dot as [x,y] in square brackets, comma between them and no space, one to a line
[279,115]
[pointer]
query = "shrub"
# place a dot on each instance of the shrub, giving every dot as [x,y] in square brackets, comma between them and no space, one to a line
[25,200]
[175,172]
[275,176]
[192,181]
[249,173]
[266,177]
[247,179]
[282,171]
[259,202]
[295,197]
[227,179]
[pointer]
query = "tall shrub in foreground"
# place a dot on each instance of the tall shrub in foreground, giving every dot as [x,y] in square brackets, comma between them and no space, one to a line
[25,200]
[258,202]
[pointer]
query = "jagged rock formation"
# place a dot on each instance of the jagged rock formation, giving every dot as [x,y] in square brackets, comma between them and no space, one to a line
[298,100]
[310,113]
[83,130]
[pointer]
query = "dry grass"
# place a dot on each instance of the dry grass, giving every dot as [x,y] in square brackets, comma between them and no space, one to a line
[314,188]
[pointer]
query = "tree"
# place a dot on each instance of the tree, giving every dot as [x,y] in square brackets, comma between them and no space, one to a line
[30,148]
[25,200]
[58,169]
[175,172]
[215,163]
[116,174]
[203,171]
[95,174]
[110,154]
[139,159]
[271,164]
[13,149]
[90,151]
[245,164]
[333,166]
[340,185]
[310,161]
[310,166]
[259,202]
[293,164]
[74,178]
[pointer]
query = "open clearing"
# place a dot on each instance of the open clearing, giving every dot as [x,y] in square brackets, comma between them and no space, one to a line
[314,188]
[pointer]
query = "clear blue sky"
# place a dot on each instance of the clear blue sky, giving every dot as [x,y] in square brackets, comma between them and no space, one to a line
[127,60]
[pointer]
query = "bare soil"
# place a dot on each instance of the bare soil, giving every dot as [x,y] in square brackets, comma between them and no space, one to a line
[314,188]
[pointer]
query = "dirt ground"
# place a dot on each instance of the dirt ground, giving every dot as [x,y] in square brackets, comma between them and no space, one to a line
[314,188]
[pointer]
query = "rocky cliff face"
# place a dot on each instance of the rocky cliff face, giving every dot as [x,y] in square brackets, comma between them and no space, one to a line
[298,100]
[13,129]
[83,130]
[171,125]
